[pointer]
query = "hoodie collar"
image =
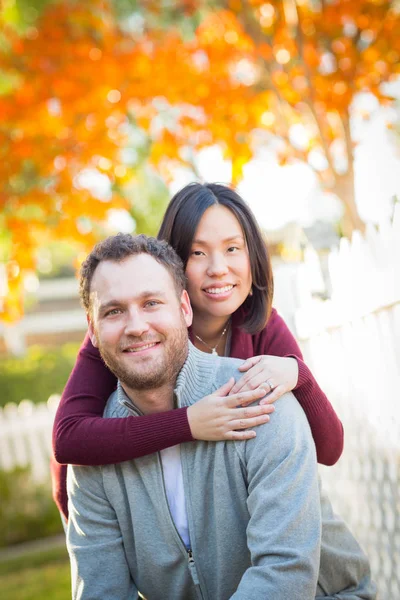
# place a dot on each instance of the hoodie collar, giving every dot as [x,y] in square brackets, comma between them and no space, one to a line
[198,369]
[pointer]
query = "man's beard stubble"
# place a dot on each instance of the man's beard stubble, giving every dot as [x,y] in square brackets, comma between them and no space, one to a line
[162,372]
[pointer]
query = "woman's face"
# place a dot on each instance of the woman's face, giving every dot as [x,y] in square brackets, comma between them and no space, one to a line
[218,268]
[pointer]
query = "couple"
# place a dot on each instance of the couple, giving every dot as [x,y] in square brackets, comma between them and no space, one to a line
[233,519]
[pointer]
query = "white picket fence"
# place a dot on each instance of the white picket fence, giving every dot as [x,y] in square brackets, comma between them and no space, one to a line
[352,345]
[25,436]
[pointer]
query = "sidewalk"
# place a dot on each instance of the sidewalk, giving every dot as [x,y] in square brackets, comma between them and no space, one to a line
[33,547]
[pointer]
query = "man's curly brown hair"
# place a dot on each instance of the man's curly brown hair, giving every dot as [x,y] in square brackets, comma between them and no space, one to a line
[119,247]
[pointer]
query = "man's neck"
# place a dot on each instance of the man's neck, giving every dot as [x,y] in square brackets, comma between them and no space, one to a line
[152,401]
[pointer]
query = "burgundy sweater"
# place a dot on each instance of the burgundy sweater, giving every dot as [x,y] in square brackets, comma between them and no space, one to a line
[81,436]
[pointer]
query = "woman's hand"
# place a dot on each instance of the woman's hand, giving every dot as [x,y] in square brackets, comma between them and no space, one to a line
[276,374]
[217,416]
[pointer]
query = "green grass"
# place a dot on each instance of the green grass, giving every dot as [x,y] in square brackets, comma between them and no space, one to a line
[40,576]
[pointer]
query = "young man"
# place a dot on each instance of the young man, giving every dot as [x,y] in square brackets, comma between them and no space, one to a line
[207,520]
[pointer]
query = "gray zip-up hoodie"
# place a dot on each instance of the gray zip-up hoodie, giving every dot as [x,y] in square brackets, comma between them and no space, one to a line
[253,508]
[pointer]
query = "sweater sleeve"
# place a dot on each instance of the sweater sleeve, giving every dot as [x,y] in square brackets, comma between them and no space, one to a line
[326,427]
[284,528]
[99,567]
[82,436]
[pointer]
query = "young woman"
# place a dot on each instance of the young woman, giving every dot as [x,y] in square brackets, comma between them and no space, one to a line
[230,286]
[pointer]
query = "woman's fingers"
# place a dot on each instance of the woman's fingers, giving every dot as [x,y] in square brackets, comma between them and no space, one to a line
[246,434]
[274,395]
[250,362]
[256,382]
[245,414]
[240,428]
[248,381]
[246,423]
[214,417]
[260,370]
[245,397]
[225,389]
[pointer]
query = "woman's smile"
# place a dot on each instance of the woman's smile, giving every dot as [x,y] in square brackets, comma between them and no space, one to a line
[219,292]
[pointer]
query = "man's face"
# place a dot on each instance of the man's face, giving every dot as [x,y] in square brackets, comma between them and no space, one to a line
[138,322]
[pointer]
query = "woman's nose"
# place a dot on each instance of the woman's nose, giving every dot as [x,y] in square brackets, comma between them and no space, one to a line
[217,266]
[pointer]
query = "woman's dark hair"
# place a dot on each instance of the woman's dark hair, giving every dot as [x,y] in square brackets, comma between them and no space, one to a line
[178,228]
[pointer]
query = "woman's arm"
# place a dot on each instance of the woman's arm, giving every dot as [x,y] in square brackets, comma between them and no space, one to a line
[277,340]
[326,427]
[81,437]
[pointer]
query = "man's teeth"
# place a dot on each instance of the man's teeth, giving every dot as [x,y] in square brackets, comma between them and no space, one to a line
[220,290]
[140,348]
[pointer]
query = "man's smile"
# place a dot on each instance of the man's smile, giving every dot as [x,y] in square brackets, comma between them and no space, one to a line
[136,348]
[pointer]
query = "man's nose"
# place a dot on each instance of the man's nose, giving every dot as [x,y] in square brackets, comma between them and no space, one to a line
[136,323]
[217,266]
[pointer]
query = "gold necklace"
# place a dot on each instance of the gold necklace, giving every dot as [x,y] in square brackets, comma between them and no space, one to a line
[213,349]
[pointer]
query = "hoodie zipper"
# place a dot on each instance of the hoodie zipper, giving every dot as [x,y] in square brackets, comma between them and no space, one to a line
[194,574]
[189,553]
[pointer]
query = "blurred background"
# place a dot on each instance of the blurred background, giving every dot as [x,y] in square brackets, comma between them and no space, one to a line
[109,107]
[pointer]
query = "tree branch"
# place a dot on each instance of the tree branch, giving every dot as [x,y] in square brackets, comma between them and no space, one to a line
[345,122]
[310,101]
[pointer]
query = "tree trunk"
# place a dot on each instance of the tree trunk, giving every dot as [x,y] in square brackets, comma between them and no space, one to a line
[344,186]
[344,189]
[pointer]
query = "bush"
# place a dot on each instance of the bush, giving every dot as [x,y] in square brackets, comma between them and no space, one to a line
[27,510]
[37,375]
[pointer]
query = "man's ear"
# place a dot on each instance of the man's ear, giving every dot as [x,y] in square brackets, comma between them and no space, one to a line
[186,308]
[91,332]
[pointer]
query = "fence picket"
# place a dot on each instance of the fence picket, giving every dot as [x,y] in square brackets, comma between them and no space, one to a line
[25,436]
[352,343]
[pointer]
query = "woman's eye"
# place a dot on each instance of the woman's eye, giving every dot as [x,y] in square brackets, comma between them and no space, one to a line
[233,249]
[197,253]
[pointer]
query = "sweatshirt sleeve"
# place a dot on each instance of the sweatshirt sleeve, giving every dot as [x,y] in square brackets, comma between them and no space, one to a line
[82,436]
[99,567]
[345,572]
[326,427]
[284,529]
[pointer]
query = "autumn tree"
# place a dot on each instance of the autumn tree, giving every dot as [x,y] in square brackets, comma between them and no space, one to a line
[89,91]
[67,142]
[289,71]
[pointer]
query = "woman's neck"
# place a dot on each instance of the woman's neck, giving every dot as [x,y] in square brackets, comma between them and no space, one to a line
[210,330]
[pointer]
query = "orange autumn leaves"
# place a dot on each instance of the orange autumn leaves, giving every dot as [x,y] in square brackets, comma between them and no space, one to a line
[57,122]
[85,83]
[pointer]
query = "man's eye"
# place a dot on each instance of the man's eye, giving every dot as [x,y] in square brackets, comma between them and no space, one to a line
[113,311]
[152,303]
